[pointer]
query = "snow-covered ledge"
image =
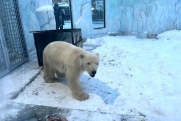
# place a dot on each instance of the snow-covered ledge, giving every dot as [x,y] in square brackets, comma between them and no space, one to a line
[45,17]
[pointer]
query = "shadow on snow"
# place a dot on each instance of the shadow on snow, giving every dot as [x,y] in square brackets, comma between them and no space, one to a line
[92,85]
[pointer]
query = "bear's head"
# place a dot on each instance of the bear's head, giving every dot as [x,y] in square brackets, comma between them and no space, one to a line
[90,63]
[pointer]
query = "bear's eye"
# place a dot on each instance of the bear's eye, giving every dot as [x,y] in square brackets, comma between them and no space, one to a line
[88,63]
[97,63]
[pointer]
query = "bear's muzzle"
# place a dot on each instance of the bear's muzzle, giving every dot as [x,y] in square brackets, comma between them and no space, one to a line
[93,73]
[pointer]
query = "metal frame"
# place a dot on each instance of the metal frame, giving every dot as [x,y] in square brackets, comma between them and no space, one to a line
[70,7]
[14,41]
[4,60]
[70,11]
[104,14]
[43,38]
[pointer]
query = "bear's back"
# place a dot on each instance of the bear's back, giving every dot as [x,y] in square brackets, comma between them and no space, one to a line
[59,50]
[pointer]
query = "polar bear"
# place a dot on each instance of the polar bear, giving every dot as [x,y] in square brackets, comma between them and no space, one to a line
[67,60]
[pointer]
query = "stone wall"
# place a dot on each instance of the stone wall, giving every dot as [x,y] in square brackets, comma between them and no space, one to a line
[152,16]
[130,16]
[36,15]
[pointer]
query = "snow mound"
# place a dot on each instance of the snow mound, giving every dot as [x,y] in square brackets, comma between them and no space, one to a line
[44,8]
[96,41]
[173,34]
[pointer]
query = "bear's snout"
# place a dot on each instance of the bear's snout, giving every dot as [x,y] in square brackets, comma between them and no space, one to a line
[93,73]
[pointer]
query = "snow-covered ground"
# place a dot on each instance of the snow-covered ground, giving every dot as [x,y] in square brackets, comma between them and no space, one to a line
[134,75]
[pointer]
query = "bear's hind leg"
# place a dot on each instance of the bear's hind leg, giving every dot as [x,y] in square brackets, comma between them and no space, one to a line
[60,75]
[49,74]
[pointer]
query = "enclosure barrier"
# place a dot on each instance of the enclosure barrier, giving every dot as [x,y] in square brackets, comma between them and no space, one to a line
[43,38]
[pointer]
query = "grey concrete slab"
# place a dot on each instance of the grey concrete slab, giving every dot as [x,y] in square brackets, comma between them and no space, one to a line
[16,80]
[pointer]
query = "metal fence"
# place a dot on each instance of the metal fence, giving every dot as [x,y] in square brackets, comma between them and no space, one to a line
[13,51]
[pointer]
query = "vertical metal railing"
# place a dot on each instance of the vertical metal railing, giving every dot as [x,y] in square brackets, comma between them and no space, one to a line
[3,56]
[13,33]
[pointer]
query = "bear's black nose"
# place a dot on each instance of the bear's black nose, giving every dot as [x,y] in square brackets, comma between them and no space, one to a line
[93,72]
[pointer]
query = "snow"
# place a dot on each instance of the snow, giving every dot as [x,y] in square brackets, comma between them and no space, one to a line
[134,75]
[44,8]
[146,73]
[45,17]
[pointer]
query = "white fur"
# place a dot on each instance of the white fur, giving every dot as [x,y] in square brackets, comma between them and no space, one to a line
[67,60]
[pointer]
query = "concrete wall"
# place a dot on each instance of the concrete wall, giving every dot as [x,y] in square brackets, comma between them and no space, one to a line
[36,15]
[82,18]
[125,16]
[130,16]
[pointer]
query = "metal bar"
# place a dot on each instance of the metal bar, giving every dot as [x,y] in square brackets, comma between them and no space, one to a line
[13,34]
[71,18]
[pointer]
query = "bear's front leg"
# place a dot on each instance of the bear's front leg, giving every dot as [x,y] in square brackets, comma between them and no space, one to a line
[75,87]
[49,74]
[80,96]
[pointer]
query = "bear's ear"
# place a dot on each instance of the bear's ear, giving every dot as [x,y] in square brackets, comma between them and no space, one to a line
[97,54]
[81,56]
